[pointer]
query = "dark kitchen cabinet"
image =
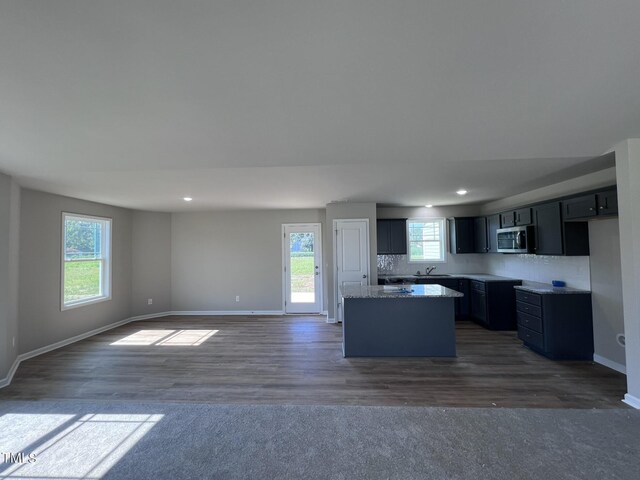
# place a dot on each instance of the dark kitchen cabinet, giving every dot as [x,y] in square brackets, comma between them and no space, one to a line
[392,236]
[585,207]
[558,326]
[516,218]
[462,303]
[548,231]
[508,219]
[607,202]
[493,224]
[523,217]
[580,207]
[478,305]
[459,285]
[555,237]
[480,234]
[493,304]
[461,235]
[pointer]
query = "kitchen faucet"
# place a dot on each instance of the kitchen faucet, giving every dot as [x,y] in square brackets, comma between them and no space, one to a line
[430,269]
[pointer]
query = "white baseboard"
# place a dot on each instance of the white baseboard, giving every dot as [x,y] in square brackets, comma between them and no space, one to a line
[331,320]
[632,401]
[215,313]
[618,367]
[12,371]
[63,343]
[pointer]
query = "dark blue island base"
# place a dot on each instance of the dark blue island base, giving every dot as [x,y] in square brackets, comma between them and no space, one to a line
[414,325]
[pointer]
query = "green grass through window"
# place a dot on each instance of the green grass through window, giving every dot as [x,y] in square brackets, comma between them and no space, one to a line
[81,280]
[302,273]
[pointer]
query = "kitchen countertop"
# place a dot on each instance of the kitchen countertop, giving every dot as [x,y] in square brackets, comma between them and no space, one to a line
[482,277]
[416,291]
[545,289]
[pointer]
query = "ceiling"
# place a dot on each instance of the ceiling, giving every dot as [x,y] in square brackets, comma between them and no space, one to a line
[297,103]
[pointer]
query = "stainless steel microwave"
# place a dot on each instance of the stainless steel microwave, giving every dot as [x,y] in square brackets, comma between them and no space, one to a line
[515,240]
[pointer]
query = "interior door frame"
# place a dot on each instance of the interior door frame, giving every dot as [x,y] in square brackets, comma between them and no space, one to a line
[336,298]
[283,236]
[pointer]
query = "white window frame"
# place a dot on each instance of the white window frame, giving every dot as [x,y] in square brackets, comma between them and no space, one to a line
[105,281]
[443,238]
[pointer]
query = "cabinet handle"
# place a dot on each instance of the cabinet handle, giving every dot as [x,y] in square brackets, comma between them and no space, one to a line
[601,208]
[591,209]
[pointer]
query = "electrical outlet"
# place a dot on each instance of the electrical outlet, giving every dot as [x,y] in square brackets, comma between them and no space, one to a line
[150,301]
[237,298]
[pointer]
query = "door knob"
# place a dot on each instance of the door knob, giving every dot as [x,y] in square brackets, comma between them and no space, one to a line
[364,276]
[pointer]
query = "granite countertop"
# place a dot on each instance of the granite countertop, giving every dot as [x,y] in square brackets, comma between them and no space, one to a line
[413,291]
[545,289]
[482,277]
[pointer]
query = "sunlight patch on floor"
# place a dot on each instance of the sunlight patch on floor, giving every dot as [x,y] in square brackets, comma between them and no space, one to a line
[176,338]
[69,446]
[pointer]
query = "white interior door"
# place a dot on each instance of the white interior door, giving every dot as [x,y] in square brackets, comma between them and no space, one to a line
[302,247]
[351,256]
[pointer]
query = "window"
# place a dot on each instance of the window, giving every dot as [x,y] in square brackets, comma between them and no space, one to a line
[426,239]
[86,262]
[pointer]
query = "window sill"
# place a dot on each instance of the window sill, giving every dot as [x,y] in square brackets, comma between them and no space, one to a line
[84,303]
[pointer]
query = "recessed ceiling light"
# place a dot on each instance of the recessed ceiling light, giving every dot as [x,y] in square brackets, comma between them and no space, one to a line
[429,206]
[187,199]
[462,191]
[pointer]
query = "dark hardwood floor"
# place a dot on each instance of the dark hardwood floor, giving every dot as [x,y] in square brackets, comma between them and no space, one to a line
[298,360]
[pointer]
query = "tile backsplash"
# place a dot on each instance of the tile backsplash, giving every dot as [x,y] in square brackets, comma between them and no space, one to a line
[574,271]
[398,265]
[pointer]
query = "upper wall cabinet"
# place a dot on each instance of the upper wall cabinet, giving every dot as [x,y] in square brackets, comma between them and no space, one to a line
[592,205]
[486,234]
[480,234]
[392,236]
[508,219]
[548,231]
[461,235]
[493,224]
[516,218]
[580,207]
[607,202]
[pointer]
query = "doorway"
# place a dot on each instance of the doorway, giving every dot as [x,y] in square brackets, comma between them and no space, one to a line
[351,256]
[302,254]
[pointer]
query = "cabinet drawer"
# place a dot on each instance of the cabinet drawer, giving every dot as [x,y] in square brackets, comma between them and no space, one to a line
[528,308]
[476,285]
[531,298]
[530,337]
[529,321]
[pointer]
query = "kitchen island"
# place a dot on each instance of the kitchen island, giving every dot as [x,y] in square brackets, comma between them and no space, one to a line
[399,321]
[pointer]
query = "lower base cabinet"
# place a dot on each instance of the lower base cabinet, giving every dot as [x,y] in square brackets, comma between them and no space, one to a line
[493,304]
[459,285]
[556,325]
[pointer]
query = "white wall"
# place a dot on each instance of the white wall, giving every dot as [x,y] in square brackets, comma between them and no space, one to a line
[218,255]
[9,250]
[628,174]
[41,322]
[606,292]
[150,262]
